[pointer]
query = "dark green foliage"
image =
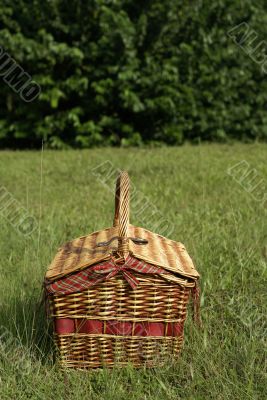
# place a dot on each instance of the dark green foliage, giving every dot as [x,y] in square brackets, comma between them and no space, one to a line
[128,72]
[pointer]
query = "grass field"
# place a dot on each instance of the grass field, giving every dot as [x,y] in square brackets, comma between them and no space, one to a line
[221,222]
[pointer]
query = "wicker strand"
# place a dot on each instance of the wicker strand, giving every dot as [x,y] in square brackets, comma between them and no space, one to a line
[121,218]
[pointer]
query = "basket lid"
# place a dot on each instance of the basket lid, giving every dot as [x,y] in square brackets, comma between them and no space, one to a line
[123,238]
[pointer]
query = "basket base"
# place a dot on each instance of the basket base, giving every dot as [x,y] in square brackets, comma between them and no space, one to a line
[94,351]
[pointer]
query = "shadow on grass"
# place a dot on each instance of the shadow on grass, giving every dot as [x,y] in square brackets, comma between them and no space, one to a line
[24,325]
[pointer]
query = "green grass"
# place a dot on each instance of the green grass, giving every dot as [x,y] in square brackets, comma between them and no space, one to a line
[223,227]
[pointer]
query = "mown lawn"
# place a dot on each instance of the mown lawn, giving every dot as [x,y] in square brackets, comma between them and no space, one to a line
[223,226]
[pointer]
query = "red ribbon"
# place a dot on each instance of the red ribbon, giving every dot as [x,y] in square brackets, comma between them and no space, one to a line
[95,274]
[112,269]
[65,326]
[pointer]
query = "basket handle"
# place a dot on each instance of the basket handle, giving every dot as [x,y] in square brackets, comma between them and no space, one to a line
[122,211]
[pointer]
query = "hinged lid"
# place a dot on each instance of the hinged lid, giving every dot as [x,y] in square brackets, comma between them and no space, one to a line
[122,239]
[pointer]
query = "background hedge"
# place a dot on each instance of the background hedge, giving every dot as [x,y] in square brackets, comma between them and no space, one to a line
[128,72]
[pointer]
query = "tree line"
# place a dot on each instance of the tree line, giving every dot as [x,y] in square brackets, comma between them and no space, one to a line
[130,72]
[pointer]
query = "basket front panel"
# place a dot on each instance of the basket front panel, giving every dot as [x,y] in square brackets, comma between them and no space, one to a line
[114,299]
[111,323]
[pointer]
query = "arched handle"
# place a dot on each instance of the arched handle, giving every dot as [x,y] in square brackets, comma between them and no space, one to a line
[122,211]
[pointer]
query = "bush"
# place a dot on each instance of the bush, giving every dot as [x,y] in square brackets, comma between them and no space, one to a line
[129,72]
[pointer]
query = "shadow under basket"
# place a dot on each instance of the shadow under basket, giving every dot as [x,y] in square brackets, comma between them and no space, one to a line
[126,303]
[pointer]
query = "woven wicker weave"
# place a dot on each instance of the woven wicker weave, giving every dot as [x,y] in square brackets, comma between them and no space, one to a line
[110,322]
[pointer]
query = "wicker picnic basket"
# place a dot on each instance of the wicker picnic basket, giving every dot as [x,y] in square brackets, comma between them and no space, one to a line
[120,295]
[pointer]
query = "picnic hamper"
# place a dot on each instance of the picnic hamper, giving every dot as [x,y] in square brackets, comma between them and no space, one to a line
[120,295]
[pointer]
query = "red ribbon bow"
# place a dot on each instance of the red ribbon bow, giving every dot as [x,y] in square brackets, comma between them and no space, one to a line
[112,268]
